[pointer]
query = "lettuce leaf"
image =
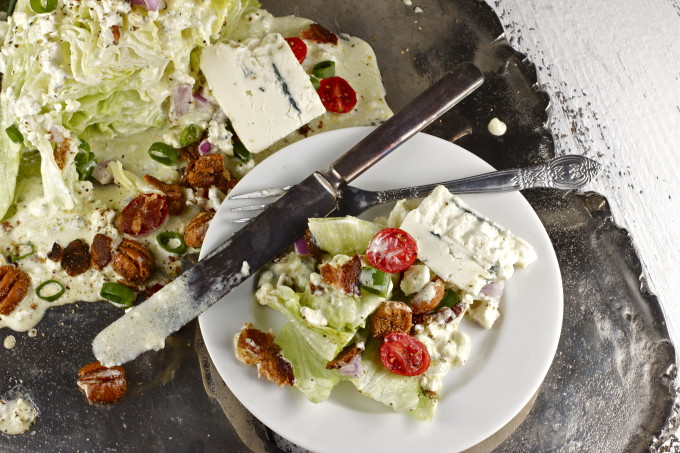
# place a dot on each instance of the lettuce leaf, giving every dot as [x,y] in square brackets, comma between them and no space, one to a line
[10,156]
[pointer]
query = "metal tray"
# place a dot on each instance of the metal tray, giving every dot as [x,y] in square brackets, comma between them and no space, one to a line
[610,387]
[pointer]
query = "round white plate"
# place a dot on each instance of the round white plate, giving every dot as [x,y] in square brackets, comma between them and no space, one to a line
[507,363]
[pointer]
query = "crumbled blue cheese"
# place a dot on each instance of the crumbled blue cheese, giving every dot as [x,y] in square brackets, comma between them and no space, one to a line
[461,246]
[484,312]
[262,88]
[313,316]
[415,279]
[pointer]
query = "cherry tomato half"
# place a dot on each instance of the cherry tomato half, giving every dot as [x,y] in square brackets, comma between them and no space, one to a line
[403,354]
[392,250]
[337,95]
[298,47]
[143,214]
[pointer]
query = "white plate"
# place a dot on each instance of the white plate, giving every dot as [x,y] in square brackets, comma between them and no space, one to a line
[507,363]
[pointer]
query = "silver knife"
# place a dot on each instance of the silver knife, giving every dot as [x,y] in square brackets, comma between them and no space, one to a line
[146,326]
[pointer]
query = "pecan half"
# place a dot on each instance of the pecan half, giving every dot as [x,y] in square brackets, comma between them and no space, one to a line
[194,232]
[133,261]
[56,253]
[101,384]
[208,171]
[173,192]
[391,317]
[76,257]
[100,255]
[13,288]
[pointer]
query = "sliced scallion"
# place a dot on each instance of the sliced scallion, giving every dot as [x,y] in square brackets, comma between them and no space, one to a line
[43,6]
[50,297]
[165,154]
[324,70]
[14,134]
[190,135]
[315,82]
[117,293]
[241,152]
[15,258]
[165,238]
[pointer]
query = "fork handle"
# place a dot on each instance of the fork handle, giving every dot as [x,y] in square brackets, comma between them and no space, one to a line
[564,172]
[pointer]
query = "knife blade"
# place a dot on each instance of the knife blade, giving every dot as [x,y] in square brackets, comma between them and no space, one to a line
[146,326]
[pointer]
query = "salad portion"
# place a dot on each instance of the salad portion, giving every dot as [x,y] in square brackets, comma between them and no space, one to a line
[378,303]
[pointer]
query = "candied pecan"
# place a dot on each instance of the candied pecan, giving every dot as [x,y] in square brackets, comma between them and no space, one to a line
[100,254]
[208,171]
[76,258]
[190,153]
[428,298]
[13,288]
[316,32]
[143,214]
[345,277]
[56,253]
[115,31]
[101,384]
[133,261]
[194,232]
[391,317]
[255,347]
[173,192]
[345,357]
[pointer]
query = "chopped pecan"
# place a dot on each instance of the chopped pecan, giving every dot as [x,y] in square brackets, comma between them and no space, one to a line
[133,261]
[76,257]
[345,277]
[173,192]
[56,253]
[100,255]
[60,152]
[115,31]
[254,347]
[194,232]
[391,317]
[13,288]
[316,32]
[345,357]
[101,384]
[428,298]
[208,171]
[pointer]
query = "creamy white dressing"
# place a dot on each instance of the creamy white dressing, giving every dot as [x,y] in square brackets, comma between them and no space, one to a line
[497,127]
[17,415]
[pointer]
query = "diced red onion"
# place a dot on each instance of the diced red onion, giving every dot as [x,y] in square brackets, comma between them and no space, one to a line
[151,5]
[301,247]
[181,100]
[353,368]
[201,99]
[205,147]
[494,290]
[102,174]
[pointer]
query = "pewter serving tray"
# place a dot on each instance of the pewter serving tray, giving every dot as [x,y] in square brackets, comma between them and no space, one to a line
[609,388]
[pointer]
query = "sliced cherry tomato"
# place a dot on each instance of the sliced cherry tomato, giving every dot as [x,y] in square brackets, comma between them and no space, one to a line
[143,214]
[403,354]
[392,250]
[316,32]
[337,95]
[298,47]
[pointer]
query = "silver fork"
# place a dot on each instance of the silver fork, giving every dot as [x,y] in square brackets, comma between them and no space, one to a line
[565,172]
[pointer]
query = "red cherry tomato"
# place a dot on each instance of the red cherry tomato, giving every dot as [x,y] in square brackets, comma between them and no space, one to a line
[392,250]
[143,214]
[337,95]
[298,47]
[403,354]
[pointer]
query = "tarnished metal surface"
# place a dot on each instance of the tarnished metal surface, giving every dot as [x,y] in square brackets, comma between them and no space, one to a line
[609,388]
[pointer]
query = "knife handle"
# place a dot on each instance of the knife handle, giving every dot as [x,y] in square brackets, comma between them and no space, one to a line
[416,116]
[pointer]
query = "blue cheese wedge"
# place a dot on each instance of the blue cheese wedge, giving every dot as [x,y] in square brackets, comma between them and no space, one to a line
[461,246]
[262,88]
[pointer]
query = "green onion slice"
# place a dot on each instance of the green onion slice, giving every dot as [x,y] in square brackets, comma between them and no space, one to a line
[164,239]
[324,70]
[15,258]
[15,134]
[375,281]
[241,152]
[117,293]
[51,297]
[43,6]
[165,154]
[190,135]
[450,299]
[315,82]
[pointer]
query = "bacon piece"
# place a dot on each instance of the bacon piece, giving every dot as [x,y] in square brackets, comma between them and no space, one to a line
[317,33]
[345,357]
[255,347]
[345,277]
[100,254]
[56,253]
[173,192]
[76,257]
